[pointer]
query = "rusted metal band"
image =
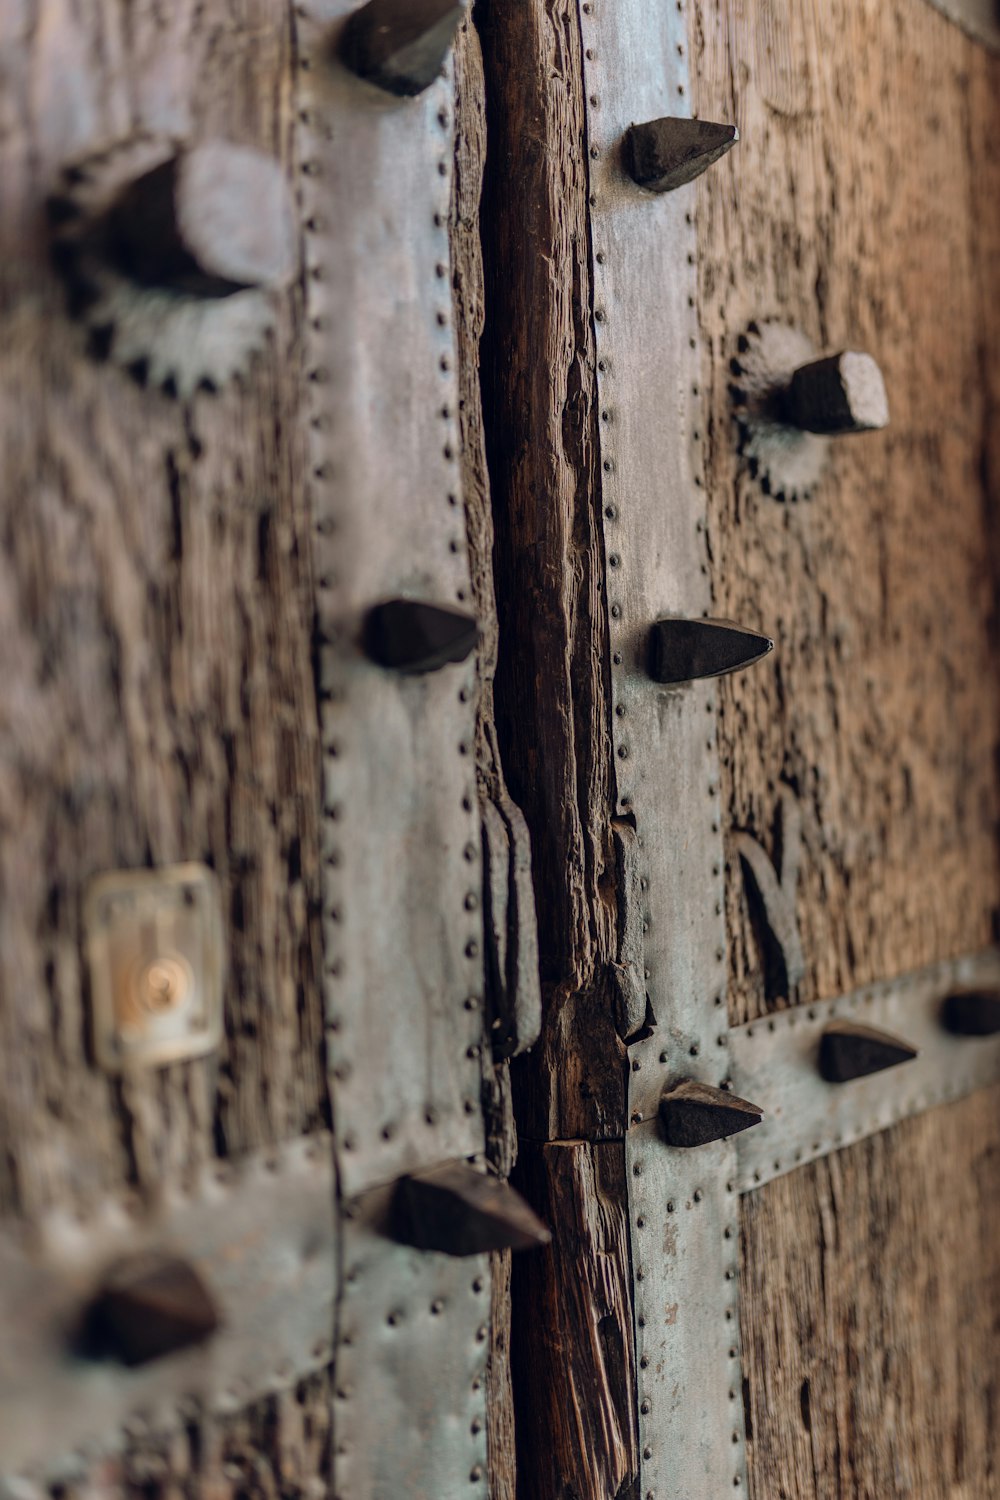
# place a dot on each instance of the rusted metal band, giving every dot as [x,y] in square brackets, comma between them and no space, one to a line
[683,1228]
[261,1235]
[774,1062]
[401,841]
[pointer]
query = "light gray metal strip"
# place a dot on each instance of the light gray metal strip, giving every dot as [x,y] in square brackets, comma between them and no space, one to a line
[401,844]
[980,18]
[262,1236]
[665,743]
[774,1064]
[685,1247]
[691,1414]
[410,1393]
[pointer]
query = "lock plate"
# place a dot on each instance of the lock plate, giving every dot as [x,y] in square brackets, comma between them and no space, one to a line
[155,953]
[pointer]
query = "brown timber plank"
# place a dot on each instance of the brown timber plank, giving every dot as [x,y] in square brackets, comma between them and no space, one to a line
[870,1297]
[853,207]
[861,206]
[158,687]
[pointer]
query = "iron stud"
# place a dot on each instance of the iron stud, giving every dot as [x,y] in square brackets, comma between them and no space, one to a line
[686,650]
[693,1114]
[400,45]
[665,154]
[462,1211]
[839,394]
[208,221]
[848,1050]
[972,1013]
[149,1305]
[411,636]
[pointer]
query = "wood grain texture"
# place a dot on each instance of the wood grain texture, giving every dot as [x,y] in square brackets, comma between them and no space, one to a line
[574,1350]
[156,643]
[870,1296]
[156,653]
[857,207]
[860,206]
[575,1399]
[468,302]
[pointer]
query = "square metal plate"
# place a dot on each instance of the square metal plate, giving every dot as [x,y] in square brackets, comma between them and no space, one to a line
[155,953]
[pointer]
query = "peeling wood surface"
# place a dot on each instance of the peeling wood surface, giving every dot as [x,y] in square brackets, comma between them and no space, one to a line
[869,1281]
[573,1360]
[573,1315]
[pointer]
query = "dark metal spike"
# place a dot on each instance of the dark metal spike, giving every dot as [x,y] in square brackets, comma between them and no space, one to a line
[840,394]
[462,1211]
[972,1013]
[209,221]
[412,636]
[685,650]
[848,1050]
[400,45]
[693,1113]
[665,154]
[149,1305]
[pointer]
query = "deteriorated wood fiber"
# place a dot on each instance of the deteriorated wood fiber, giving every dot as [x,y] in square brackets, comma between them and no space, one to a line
[869,1281]
[883,707]
[468,303]
[156,607]
[574,1345]
[156,650]
[870,1297]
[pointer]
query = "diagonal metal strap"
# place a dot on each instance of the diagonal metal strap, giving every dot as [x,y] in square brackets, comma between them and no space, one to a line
[774,1063]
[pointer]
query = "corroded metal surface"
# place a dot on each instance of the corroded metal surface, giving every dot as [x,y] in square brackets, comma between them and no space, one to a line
[261,1237]
[401,839]
[682,1218]
[410,1391]
[775,1062]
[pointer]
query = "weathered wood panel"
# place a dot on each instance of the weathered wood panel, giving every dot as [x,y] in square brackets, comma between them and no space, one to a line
[861,207]
[871,1300]
[156,648]
[854,208]
[156,653]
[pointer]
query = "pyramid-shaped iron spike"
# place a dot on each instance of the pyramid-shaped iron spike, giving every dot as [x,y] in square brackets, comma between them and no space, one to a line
[693,1113]
[972,1012]
[839,394]
[412,636]
[208,221]
[400,45]
[685,650]
[665,154]
[458,1209]
[848,1050]
[149,1305]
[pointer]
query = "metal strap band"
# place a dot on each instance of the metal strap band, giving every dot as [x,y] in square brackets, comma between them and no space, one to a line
[774,1064]
[691,1427]
[401,846]
[410,1392]
[261,1235]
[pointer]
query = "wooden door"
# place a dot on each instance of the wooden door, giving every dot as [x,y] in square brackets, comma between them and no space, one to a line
[320,922]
